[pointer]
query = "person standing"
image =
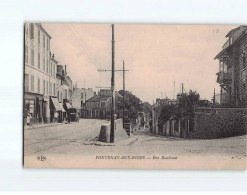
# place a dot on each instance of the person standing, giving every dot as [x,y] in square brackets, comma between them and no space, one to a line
[28,118]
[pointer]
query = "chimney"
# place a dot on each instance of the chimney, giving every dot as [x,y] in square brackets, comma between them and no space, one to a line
[52,56]
[65,68]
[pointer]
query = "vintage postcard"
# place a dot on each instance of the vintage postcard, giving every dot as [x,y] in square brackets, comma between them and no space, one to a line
[134,96]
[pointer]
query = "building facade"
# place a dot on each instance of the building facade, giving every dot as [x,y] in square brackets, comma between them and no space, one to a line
[79,97]
[98,107]
[232,69]
[64,91]
[40,77]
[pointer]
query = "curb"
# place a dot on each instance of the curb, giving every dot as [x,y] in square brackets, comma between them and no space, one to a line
[120,143]
[30,128]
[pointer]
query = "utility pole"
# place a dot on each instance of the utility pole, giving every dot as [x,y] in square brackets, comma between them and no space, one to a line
[214,97]
[123,93]
[113,89]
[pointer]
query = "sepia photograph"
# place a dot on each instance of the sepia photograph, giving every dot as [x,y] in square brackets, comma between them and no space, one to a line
[134,96]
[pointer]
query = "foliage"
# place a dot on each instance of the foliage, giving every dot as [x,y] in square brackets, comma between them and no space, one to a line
[184,107]
[133,105]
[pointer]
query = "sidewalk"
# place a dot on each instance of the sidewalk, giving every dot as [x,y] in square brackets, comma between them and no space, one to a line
[42,125]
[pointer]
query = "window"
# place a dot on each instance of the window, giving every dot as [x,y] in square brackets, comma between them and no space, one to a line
[26,82]
[54,88]
[47,44]
[31,31]
[81,95]
[102,104]
[26,53]
[38,85]
[47,67]
[50,88]
[244,62]
[39,36]
[191,125]
[43,41]
[43,86]
[44,63]
[58,95]
[26,29]
[54,70]
[243,76]
[65,94]
[32,82]
[51,69]
[32,57]
[47,87]
[39,60]
[61,96]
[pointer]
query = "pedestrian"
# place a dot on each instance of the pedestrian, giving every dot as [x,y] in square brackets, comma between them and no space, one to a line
[77,117]
[29,116]
[56,116]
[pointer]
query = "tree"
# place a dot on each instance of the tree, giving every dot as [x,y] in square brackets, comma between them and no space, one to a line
[187,103]
[132,105]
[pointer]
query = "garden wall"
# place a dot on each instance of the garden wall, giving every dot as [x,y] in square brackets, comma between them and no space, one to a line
[219,123]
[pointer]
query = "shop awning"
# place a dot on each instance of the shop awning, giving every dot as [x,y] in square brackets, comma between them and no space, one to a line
[56,104]
[68,105]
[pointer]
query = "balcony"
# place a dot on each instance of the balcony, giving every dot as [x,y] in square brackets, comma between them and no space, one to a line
[224,78]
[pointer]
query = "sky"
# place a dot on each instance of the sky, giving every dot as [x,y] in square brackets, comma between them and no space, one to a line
[155,55]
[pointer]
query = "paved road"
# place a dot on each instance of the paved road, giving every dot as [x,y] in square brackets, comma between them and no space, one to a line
[40,140]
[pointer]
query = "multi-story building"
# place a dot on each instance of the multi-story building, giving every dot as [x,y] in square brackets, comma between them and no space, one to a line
[99,106]
[63,87]
[232,68]
[40,77]
[79,97]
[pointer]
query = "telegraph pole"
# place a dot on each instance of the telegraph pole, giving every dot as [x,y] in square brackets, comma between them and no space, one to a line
[123,92]
[113,70]
[113,89]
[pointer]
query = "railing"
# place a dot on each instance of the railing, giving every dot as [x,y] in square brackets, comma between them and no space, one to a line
[224,78]
[231,100]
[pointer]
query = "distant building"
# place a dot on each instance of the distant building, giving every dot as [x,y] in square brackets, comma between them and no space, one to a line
[232,69]
[99,106]
[156,108]
[79,97]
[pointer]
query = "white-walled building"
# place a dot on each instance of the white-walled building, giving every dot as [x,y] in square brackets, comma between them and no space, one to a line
[40,73]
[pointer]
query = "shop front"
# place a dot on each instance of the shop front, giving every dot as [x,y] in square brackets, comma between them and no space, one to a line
[33,104]
[58,114]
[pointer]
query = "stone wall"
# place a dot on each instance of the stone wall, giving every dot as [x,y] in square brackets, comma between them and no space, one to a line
[221,122]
